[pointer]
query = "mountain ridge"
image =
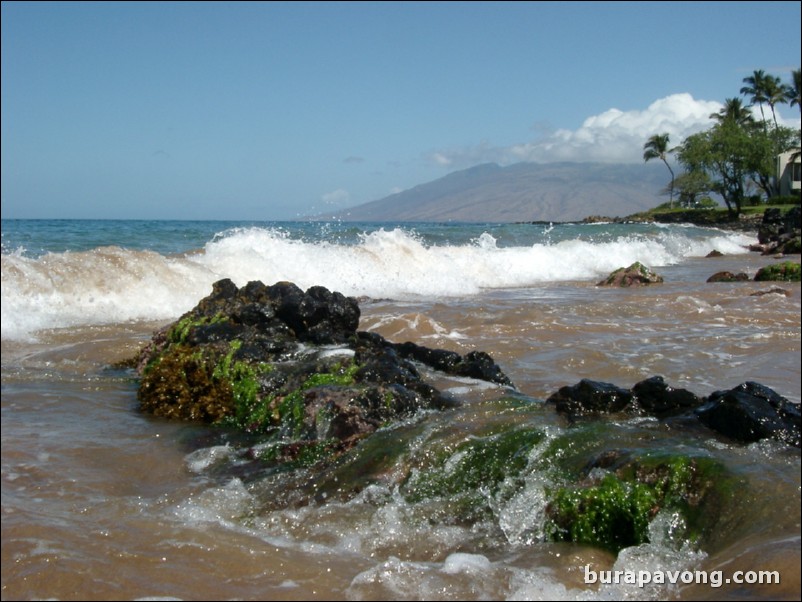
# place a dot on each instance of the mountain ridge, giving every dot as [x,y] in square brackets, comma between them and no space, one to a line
[558,192]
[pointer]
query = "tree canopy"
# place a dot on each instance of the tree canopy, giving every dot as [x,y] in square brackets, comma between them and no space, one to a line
[737,156]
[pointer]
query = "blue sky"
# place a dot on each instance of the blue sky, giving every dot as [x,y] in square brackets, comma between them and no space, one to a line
[279,110]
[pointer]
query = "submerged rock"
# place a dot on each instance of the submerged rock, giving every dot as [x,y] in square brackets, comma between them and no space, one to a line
[651,397]
[728,277]
[635,275]
[473,475]
[657,398]
[590,398]
[614,507]
[747,413]
[772,291]
[751,412]
[289,363]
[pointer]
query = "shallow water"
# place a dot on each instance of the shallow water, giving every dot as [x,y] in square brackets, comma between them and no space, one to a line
[102,502]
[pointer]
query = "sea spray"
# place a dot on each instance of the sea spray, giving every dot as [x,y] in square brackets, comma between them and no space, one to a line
[113,284]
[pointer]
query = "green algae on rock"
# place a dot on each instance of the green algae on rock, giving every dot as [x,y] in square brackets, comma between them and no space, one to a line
[614,511]
[787,271]
[278,361]
[636,274]
[476,471]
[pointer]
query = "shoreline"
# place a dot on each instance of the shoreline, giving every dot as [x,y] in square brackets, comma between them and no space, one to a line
[749,222]
[744,222]
[711,218]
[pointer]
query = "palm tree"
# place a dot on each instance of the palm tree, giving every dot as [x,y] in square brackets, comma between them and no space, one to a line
[775,92]
[756,87]
[657,148]
[792,91]
[735,111]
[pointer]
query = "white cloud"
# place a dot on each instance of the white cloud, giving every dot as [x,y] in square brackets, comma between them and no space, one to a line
[336,197]
[441,159]
[617,136]
[613,136]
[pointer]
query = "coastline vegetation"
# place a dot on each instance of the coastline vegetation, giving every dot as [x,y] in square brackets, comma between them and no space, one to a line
[736,158]
[710,213]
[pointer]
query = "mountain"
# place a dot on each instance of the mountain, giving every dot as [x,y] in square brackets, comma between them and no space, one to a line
[558,192]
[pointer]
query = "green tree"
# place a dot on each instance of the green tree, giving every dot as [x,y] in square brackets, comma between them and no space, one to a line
[768,144]
[719,153]
[691,185]
[734,110]
[776,93]
[734,155]
[656,147]
[756,88]
[792,91]
[762,87]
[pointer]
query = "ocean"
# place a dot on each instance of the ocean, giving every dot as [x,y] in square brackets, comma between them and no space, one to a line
[103,502]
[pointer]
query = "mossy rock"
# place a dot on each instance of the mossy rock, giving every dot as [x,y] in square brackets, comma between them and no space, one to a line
[180,383]
[787,271]
[478,468]
[635,275]
[793,246]
[217,385]
[614,512]
[289,367]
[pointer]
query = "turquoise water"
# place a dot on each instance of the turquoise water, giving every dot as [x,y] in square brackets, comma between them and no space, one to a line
[169,236]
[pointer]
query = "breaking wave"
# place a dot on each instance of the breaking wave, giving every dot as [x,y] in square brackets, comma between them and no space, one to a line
[111,284]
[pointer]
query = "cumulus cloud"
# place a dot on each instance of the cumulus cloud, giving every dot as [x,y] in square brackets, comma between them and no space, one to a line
[617,136]
[613,136]
[336,197]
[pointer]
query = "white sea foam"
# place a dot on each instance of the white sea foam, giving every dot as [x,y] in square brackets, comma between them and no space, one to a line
[114,285]
[200,460]
[221,505]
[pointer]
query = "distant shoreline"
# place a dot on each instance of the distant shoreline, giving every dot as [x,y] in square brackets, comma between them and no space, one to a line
[749,223]
[711,219]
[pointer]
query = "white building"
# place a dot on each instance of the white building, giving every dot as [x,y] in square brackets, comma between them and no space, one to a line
[789,172]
